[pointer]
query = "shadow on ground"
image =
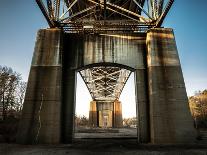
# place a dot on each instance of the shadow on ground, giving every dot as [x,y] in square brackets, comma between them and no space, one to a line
[104,147]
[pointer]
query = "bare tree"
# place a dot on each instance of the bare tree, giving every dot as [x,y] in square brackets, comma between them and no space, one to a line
[20,94]
[12,91]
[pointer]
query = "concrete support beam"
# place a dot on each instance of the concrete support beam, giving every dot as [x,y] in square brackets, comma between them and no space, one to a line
[93,120]
[170,118]
[142,105]
[68,104]
[69,86]
[40,122]
[117,123]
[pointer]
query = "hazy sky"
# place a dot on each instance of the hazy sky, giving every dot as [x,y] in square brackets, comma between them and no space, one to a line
[20,20]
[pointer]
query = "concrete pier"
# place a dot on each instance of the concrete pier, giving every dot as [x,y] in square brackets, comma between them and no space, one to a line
[93,118]
[118,123]
[170,118]
[41,116]
[105,114]
[162,105]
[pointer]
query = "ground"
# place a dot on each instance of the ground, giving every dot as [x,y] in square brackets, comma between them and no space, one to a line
[99,141]
[105,132]
[103,147]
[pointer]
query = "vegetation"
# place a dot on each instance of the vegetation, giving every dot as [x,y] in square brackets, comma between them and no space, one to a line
[81,121]
[130,122]
[12,91]
[198,107]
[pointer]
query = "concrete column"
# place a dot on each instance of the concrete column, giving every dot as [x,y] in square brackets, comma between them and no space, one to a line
[170,118]
[40,121]
[142,105]
[70,63]
[117,114]
[93,119]
[68,107]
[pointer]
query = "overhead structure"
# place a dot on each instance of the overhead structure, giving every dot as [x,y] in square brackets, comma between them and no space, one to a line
[105,40]
[105,83]
[105,15]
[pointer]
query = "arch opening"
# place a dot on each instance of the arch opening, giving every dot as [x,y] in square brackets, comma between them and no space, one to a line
[99,111]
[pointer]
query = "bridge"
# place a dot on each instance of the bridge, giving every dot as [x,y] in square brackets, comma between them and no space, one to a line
[96,16]
[105,41]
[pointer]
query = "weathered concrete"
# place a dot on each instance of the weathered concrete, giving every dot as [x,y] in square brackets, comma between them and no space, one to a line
[142,102]
[105,114]
[170,118]
[69,89]
[162,105]
[117,114]
[93,119]
[40,122]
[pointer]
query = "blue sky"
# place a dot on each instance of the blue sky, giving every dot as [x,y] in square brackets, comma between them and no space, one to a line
[20,20]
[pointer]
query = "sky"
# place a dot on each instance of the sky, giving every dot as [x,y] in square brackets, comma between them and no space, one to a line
[21,19]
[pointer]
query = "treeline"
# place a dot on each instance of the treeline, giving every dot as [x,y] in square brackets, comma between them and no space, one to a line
[130,122]
[198,107]
[12,91]
[81,121]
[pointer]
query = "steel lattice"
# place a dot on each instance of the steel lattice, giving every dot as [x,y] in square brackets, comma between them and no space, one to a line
[105,82]
[104,15]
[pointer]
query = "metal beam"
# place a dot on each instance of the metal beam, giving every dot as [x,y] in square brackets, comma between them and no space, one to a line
[45,13]
[127,11]
[142,9]
[49,5]
[164,14]
[70,6]
[108,8]
[105,83]
[57,10]
[78,13]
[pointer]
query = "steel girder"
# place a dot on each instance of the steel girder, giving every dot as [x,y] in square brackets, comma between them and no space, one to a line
[104,15]
[105,83]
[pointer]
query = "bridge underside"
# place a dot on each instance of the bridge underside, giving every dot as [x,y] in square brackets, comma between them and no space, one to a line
[105,83]
[162,104]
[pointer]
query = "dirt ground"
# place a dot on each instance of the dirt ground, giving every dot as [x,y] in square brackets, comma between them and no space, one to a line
[104,142]
[103,147]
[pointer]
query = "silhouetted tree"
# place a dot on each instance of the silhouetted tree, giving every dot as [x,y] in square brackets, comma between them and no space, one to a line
[12,91]
[81,121]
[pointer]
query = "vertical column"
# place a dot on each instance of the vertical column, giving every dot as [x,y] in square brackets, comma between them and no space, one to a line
[40,122]
[170,118]
[117,114]
[142,105]
[71,58]
[93,114]
[68,105]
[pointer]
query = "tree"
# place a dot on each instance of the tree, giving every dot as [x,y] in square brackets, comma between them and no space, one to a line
[130,122]
[20,94]
[12,91]
[198,107]
[81,121]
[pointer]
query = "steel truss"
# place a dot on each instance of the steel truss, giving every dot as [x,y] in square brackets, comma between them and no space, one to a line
[105,83]
[104,15]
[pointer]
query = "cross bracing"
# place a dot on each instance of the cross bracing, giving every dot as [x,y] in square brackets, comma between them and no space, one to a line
[105,15]
[105,83]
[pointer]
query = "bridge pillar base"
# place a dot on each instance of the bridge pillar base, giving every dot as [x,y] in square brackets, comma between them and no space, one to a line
[41,120]
[170,118]
[93,118]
